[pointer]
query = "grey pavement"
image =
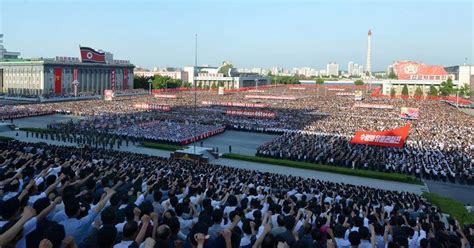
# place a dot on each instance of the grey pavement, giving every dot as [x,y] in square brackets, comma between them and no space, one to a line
[42,121]
[245,143]
[462,193]
[326,176]
[467,111]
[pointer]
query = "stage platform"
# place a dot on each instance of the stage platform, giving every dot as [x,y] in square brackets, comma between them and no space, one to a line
[196,153]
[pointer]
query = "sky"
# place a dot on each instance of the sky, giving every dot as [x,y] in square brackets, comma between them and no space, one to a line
[248,33]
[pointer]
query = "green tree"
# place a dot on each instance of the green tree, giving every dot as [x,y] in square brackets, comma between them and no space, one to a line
[405,90]
[433,91]
[418,92]
[446,88]
[161,82]
[465,90]
[140,82]
[319,81]
[286,79]
[224,69]
[393,92]
[359,82]
[392,75]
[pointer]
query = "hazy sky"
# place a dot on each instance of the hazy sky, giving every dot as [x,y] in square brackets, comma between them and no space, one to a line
[249,33]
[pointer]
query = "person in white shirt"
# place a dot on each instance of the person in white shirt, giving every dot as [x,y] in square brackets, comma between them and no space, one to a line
[132,235]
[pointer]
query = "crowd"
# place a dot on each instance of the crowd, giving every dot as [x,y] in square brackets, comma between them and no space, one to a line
[54,196]
[429,160]
[169,132]
[440,143]
[10,112]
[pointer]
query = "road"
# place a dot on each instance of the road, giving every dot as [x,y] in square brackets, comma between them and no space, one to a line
[245,143]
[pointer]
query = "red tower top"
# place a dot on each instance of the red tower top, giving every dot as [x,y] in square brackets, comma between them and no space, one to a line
[370,32]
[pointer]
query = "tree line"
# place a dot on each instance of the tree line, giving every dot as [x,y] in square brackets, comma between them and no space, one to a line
[446,88]
[158,82]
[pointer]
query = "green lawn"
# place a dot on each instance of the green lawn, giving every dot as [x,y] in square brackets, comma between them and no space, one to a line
[452,207]
[334,169]
[160,146]
[3,138]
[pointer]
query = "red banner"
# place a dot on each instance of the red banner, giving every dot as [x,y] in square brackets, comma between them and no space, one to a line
[164,96]
[153,107]
[270,97]
[251,113]
[235,104]
[125,79]
[74,73]
[112,79]
[374,106]
[390,138]
[57,80]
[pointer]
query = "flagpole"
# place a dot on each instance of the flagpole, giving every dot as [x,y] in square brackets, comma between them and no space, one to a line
[195,94]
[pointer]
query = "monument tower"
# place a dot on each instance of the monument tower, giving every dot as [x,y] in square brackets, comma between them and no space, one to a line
[368,67]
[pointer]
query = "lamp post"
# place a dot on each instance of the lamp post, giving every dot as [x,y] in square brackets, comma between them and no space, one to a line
[256,83]
[149,85]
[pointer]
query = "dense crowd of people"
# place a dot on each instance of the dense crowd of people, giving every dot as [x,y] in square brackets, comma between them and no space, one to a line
[170,132]
[55,196]
[427,160]
[440,143]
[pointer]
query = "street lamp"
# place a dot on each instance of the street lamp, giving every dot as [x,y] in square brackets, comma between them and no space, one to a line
[256,83]
[149,85]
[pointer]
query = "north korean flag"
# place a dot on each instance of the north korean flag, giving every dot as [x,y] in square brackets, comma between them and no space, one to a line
[89,55]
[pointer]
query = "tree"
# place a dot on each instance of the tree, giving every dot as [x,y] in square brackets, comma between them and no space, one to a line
[359,82]
[286,79]
[141,82]
[465,90]
[446,88]
[392,75]
[405,90]
[418,92]
[224,69]
[392,92]
[319,81]
[433,91]
[160,82]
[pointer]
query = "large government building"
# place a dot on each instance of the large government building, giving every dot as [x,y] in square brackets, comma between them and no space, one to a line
[225,76]
[65,76]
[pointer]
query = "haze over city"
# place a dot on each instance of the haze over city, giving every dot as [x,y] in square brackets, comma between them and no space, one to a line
[247,33]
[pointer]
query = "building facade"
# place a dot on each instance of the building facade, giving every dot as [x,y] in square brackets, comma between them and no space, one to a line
[412,85]
[332,69]
[411,70]
[466,77]
[4,54]
[211,77]
[177,74]
[49,77]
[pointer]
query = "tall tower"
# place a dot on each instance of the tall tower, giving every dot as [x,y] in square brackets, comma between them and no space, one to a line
[368,66]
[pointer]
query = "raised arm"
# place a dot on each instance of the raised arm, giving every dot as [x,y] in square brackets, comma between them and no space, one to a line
[142,232]
[48,210]
[101,204]
[10,234]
